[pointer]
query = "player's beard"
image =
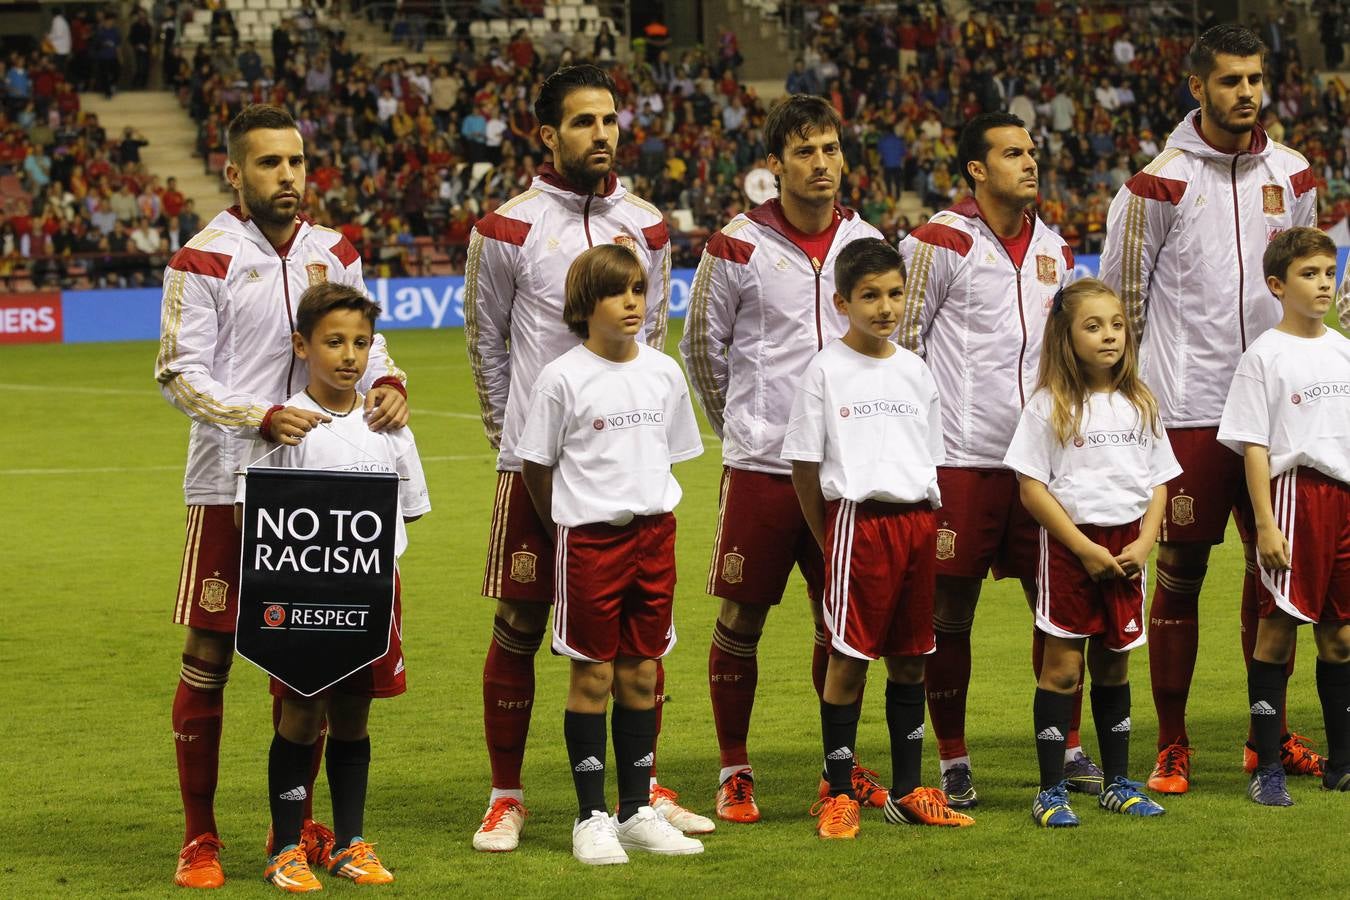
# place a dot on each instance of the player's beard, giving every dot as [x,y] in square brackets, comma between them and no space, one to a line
[266,210]
[1211,114]
[583,174]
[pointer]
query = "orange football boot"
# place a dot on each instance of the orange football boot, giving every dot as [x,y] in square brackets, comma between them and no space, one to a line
[289,870]
[925,806]
[867,788]
[199,863]
[1172,774]
[1296,755]
[358,862]
[315,839]
[736,798]
[838,818]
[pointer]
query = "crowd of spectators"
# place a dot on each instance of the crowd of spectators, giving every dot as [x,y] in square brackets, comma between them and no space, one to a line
[404,156]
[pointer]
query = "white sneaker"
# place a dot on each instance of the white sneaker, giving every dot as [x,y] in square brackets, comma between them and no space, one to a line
[501,826]
[663,801]
[595,842]
[648,831]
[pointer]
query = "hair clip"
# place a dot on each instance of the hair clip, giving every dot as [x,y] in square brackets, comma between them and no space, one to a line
[1057,304]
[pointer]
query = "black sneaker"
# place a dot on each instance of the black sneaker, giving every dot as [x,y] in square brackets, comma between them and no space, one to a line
[959,787]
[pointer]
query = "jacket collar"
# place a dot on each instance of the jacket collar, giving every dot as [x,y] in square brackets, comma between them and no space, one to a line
[770,215]
[547,175]
[1187,136]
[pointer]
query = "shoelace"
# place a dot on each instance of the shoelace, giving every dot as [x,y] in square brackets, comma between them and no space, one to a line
[362,854]
[200,856]
[740,788]
[1300,748]
[661,792]
[289,860]
[499,810]
[833,812]
[1173,760]
[866,780]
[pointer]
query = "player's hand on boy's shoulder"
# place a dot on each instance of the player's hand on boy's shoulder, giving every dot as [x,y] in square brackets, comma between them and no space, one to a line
[386,409]
[1272,548]
[290,424]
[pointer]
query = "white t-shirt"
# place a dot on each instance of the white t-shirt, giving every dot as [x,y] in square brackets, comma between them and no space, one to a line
[1292,395]
[612,430]
[874,425]
[1104,476]
[347,445]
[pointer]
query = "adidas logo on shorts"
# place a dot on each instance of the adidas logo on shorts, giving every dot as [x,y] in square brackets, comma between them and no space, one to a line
[645,762]
[1121,726]
[295,793]
[589,764]
[915,735]
[1050,734]
[1131,627]
[1262,708]
[840,753]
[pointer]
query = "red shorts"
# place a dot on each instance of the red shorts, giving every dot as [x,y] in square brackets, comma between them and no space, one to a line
[761,534]
[517,544]
[208,583]
[1312,510]
[383,678]
[1069,604]
[982,525]
[1212,484]
[879,582]
[616,587]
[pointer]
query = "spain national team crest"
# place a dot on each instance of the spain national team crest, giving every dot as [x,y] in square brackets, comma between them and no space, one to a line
[1046,271]
[626,241]
[733,568]
[213,595]
[318,273]
[946,543]
[1183,509]
[1272,200]
[523,565]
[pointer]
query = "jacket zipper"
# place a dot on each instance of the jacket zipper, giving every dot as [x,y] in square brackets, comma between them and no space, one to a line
[820,337]
[1021,313]
[586,219]
[1242,275]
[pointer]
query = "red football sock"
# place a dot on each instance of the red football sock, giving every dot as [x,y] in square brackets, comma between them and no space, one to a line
[1037,659]
[315,764]
[1174,639]
[1251,616]
[508,700]
[198,708]
[947,679]
[733,673]
[820,662]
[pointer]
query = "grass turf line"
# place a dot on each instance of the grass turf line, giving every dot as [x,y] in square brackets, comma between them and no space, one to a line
[90,660]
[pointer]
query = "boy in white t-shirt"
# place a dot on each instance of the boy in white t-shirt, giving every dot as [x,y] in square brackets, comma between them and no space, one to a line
[1288,414]
[865,439]
[606,422]
[334,330]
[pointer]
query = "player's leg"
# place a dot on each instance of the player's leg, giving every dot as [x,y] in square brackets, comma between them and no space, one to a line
[908,802]
[1267,682]
[837,812]
[1052,711]
[947,682]
[348,761]
[288,764]
[594,839]
[1080,772]
[1333,688]
[316,839]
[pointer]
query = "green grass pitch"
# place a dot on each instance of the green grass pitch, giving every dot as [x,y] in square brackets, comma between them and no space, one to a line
[91,467]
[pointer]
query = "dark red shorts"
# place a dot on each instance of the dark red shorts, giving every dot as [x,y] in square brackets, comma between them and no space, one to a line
[208,582]
[761,534]
[383,678]
[1211,485]
[1313,512]
[1069,604]
[879,580]
[982,525]
[519,547]
[616,587]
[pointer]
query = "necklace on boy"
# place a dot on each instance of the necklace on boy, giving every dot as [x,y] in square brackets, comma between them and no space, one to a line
[331,412]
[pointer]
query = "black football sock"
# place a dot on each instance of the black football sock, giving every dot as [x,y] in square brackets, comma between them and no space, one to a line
[1266,683]
[1051,713]
[904,721]
[1333,687]
[1111,715]
[839,730]
[348,772]
[634,739]
[287,772]
[585,736]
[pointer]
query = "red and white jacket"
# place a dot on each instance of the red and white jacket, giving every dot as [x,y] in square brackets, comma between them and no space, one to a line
[1184,241]
[226,320]
[759,310]
[514,282]
[979,321]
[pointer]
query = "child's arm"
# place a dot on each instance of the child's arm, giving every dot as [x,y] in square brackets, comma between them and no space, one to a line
[1045,509]
[1272,547]
[806,481]
[539,482]
[1134,554]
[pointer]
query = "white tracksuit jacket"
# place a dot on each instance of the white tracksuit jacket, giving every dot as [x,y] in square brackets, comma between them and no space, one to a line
[514,282]
[978,321]
[1184,241]
[225,354]
[759,310]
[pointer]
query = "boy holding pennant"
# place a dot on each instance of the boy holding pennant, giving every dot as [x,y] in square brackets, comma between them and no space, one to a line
[334,335]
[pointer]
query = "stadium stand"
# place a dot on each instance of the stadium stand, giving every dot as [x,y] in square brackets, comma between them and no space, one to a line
[417,121]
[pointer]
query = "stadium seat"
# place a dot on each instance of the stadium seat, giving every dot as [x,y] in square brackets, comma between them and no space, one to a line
[590,11]
[255,4]
[279,5]
[478,30]
[568,16]
[499,28]
[683,219]
[194,33]
[245,17]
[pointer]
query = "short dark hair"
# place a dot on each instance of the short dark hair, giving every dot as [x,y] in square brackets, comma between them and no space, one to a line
[798,114]
[863,257]
[974,146]
[251,118]
[321,299]
[1232,40]
[548,106]
[602,271]
[1290,246]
